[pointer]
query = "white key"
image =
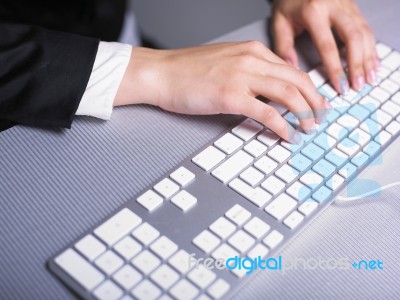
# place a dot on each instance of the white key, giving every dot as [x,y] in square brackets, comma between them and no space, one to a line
[252,176]
[390,86]
[352,96]
[256,227]
[241,241]
[393,128]
[395,77]
[317,76]
[379,94]
[383,73]
[218,289]
[336,131]
[381,117]
[340,103]
[166,187]
[273,239]
[375,126]
[209,158]
[257,196]
[181,261]
[279,153]
[382,50]
[391,108]
[222,227]
[164,247]
[127,277]
[165,277]
[109,262]
[184,290]
[383,137]
[206,241]
[298,191]
[146,233]
[228,143]
[201,276]
[396,98]
[79,269]
[258,250]
[360,137]
[127,247]
[348,121]
[392,61]
[238,214]
[293,220]
[265,165]
[370,103]
[335,182]
[108,291]
[273,185]
[308,207]
[146,291]
[239,273]
[255,148]
[232,166]
[247,129]
[268,138]
[329,91]
[90,247]
[146,262]
[117,226]
[348,146]
[184,200]
[287,173]
[311,179]
[224,252]
[182,176]
[281,206]
[150,200]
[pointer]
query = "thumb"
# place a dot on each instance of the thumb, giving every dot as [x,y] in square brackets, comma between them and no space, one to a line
[284,35]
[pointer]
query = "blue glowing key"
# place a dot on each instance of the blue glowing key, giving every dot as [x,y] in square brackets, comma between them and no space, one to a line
[360,159]
[300,162]
[359,112]
[324,168]
[372,148]
[312,151]
[332,116]
[322,194]
[349,169]
[336,157]
[325,141]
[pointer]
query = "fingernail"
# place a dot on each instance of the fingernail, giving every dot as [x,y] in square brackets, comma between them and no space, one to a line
[359,83]
[372,78]
[343,83]
[296,138]
[290,61]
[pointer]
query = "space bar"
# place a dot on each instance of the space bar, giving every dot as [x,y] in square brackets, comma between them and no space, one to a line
[232,166]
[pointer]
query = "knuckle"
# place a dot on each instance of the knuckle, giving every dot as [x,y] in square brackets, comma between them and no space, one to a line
[255,46]
[289,91]
[311,10]
[268,114]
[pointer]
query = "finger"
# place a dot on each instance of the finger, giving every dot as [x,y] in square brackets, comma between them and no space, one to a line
[352,37]
[269,116]
[370,55]
[284,35]
[324,41]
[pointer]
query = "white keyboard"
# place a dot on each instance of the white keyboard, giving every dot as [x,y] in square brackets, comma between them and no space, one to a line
[246,194]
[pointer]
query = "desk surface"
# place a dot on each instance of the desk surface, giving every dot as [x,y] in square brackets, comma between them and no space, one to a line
[55,184]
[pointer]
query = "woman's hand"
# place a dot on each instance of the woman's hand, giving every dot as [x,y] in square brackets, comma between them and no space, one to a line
[318,17]
[223,78]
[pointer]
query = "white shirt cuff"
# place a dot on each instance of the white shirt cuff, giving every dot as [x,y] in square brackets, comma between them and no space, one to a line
[109,68]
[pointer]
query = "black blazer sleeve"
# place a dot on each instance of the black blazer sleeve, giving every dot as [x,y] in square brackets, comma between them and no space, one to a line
[43,75]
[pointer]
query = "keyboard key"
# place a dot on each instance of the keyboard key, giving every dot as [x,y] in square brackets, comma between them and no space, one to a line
[392,61]
[383,73]
[391,108]
[247,129]
[317,76]
[382,138]
[308,207]
[273,185]
[294,147]
[279,153]
[313,152]
[370,127]
[90,247]
[164,247]
[379,94]
[222,227]
[146,262]
[208,158]
[146,233]
[298,191]
[352,96]
[265,165]
[327,91]
[300,162]
[311,179]
[268,138]
[184,290]
[389,86]
[273,239]
[281,206]
[164,277]
[381,117]
[382,50]
[127,247]
[395,77]
[180,261]
[206,241]
[360,137]
[336,131]
[256,227]
[108,291]
[369,103]
[127,277]
[340,105]
[150,200]
[146,291]
[166,187]
[332,116]
[348,170]
[228,143]
[324,168]
[325,141]
[348,146]
[396,97]
[117,226]
[336,157]
[287,173]
[252,176]
[182,176]
[393,128]
[255,148]
[201,276]
[360,159]
[218,289]
[79,269]
[348,121]
[335,182]
[238,215]
[241,241]
[293,220]
[184,200]
[322,194]
[258,250]
[224,252]
[372,148]
[257,196]
[232,166]
[109,262]
[359,112]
